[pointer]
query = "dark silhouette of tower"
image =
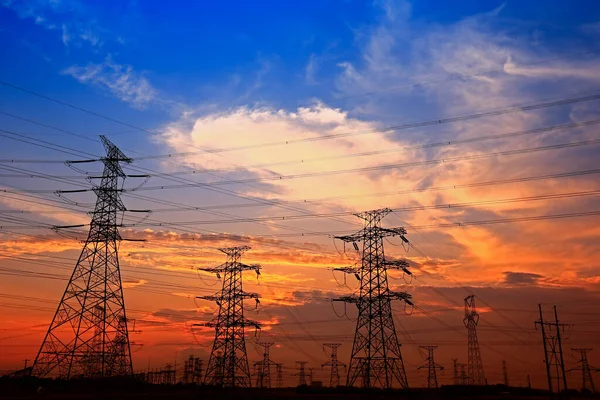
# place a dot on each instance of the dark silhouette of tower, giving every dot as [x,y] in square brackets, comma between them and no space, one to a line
[228,362]
[263,376]
[474,364]
[587,382]
[431,366]
[464,379]
[505,372]
[301,373]
[334,363]
[376,356]
[455,376]
[553,353]
[88,335]
[279,368]
[192,370]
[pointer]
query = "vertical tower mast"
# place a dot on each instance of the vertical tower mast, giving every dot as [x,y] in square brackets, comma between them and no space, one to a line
[301,373]
[586,373]
[432,367]
[228,362]
[88,335]
[474,364]
[334,363]
[263,377]
[553,355]
[376,358]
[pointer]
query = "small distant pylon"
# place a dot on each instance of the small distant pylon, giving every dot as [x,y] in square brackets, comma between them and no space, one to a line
[474,363]
[334,363]
[88,336]
[376,358]
[310,376]
[431,366]
[505,372]
[586,373]
[553,353]
[263,376]
[228,362]
[301,373]
[279,369]
[464,379]
[455,376]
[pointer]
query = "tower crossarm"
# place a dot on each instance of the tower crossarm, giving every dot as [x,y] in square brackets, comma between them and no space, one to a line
[349,270]
[398,264]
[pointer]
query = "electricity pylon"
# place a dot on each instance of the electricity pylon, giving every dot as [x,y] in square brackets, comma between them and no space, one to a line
[301,373]
[228,362]
[376,356]
[334,363]
[432,367]
[263,377]
[279,368]
[456,378]
[553,353]
[474,364]
[586,373]
[505,372]
[88,335]
[464,379]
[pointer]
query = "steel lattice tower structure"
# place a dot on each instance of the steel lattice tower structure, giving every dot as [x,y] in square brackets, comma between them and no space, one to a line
[334,363]
[475,372]
[228,362]
[553,353]
[376,358]
[586,373]
[432,367]
[455,376]
[279,375]
[263,377]
[88,335]
[301,373]
[505,372]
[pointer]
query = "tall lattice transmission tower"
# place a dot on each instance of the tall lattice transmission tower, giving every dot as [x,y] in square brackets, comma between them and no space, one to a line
[505,372]
[431,366]
[334,363]
[455,376]
[228,361]
[553,353]
[301,373]
[263,375]
[88,335]
[587,382]
[376,358]
[279,369]
[474,364]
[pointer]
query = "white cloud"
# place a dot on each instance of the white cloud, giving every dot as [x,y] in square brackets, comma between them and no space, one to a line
[311,69]
[120,80]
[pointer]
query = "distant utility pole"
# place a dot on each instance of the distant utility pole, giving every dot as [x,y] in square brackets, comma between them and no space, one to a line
[505,372]
[375,358]
[553,353]
[475,365]
[456,378]
[464,379]
[228,362]
[263,378]
[584,367]
[301,373]
[431,366]
[528,381]
[88,336]
[334,378]
[279,367]
[310,376]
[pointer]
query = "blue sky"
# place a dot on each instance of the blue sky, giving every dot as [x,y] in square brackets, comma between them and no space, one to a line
[209,75]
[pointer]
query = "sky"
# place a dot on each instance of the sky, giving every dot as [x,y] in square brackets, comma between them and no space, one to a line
[268,124]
